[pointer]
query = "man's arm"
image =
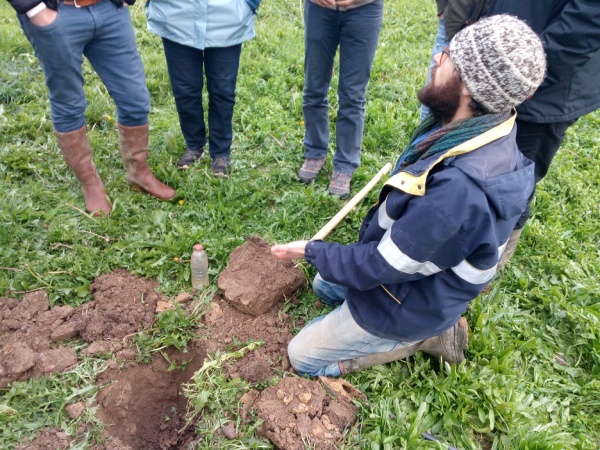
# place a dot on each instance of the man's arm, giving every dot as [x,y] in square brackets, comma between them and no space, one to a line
[572,39]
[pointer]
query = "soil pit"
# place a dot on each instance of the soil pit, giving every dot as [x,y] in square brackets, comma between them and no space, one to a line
[254,280]
[145,407]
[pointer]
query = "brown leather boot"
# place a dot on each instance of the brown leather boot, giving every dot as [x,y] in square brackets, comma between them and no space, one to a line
[77,152]
[450,345]
[134,149]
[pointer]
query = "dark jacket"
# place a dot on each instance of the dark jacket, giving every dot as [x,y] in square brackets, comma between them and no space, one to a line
[433,241]
[570,32]
[460,13]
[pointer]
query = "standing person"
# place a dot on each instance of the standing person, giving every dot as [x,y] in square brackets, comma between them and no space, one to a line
[453,16]
[353,26]
[570,33]
[433,241]
[61,33]
[204,35]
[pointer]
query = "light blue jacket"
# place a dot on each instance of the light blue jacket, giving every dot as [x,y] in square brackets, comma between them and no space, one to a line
[201,23]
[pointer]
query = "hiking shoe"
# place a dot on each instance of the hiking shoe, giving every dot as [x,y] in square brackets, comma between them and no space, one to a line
[221,166]
[190,157]
[340,184]
[310,169]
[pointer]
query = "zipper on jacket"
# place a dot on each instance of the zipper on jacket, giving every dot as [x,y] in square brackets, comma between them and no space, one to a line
[390,294]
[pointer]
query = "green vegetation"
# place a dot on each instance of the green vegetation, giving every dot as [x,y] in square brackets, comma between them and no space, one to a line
[532,379]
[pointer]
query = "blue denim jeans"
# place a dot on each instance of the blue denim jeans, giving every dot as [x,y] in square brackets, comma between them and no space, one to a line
[440,44]
[334,337]
[103,33]
[220,66]
[356,33]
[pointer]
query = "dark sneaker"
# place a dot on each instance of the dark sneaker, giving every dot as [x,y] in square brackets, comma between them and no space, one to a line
[190,157]
[221,166]
[310,169]
[340,184]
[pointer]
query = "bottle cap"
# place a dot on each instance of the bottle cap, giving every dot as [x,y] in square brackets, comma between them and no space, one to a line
[198,248]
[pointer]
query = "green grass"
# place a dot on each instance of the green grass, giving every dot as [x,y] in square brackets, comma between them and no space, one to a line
[513,392]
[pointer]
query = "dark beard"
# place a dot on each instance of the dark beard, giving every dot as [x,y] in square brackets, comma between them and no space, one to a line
[443,101]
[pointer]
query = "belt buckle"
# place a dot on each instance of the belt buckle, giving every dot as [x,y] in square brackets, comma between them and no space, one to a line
[75,4]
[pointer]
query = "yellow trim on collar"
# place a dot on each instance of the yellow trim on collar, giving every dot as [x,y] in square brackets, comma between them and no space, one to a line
[415,184]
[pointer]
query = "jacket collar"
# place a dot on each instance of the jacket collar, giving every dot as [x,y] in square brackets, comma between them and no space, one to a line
[411,179]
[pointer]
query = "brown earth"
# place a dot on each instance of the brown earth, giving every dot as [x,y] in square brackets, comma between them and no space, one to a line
[254,280]
[141,405]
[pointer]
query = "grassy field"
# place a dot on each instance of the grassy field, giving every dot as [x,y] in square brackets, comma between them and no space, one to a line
[532,379]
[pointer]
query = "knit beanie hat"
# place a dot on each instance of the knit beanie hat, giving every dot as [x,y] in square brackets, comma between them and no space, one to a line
[501,61]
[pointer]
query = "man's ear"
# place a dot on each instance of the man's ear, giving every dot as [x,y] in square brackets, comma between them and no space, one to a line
[463,90]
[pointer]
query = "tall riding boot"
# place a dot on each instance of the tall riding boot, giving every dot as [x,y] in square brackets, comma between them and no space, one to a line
[450,346]
[134,149]
[77,152]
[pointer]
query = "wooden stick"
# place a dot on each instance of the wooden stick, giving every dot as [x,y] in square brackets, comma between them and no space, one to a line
[323,232]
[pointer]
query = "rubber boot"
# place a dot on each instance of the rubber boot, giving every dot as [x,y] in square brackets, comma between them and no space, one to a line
[511,245]
[134,149]
[77,152]
[450,346]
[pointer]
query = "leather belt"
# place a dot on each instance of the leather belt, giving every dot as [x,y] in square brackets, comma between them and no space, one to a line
[80,3]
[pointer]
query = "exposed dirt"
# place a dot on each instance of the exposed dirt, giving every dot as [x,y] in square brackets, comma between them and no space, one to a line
[254,280]
[30,331]
[298,413]
[143,406]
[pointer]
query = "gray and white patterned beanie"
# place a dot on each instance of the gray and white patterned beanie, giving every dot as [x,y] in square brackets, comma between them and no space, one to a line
[501,61]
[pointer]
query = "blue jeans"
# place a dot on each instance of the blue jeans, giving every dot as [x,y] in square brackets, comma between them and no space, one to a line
[440,44]
[220,65]
[103,33]
[356,33]
[334,337]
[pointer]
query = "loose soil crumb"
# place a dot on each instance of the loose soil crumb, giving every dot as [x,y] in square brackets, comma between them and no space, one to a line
[254,280]
[298,414]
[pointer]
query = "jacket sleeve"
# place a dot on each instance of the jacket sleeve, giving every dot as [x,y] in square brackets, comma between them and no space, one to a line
[420,243]
[572,38]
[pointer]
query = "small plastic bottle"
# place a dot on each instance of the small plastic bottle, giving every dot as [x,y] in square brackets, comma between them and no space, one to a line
[199,266]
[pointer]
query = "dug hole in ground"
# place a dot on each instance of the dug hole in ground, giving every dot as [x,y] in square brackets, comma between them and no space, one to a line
[143,405]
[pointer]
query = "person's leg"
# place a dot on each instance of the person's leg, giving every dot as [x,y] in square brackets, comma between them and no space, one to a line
[221,67]
[440,44]
[327,340]
[540,141]
[359,36]
[70,32]
[119,66]
[330,293]
[185,65]
[121,70]
[321,39]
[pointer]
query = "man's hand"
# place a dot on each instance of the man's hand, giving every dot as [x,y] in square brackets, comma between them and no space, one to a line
[44,18]
[292,250]
[326,3]
[345,3]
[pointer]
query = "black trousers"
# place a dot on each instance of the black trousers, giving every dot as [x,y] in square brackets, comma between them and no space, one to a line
[539,142]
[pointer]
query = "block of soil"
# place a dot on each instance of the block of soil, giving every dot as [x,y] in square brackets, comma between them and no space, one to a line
[254,280]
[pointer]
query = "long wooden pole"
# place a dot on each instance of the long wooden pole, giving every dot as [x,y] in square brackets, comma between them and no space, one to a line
[323,232]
